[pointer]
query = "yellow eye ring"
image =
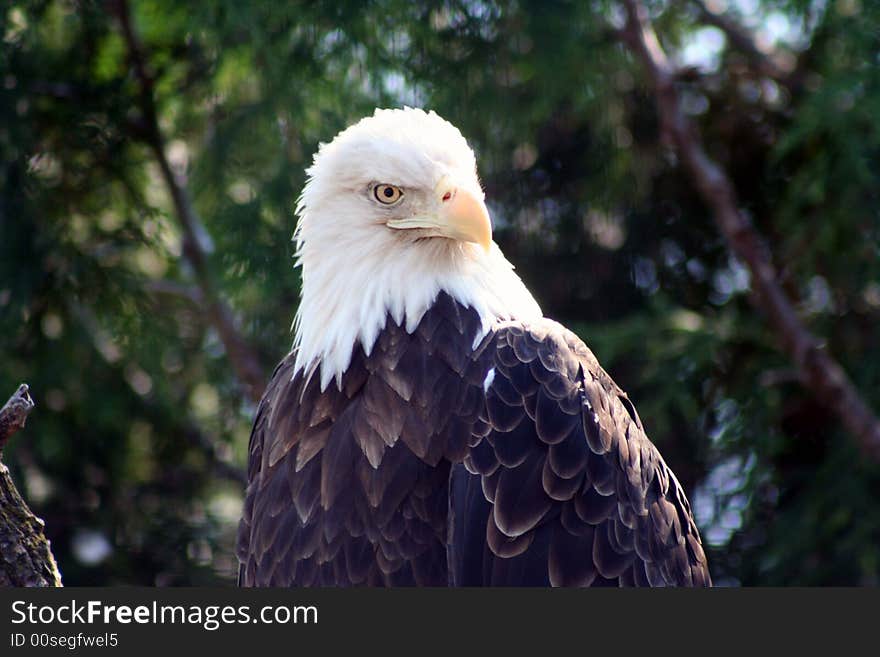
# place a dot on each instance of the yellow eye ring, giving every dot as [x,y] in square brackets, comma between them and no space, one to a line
[387,194]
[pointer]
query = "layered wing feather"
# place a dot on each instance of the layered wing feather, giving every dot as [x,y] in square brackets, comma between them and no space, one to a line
[349,485]
[516,462]
[561,486]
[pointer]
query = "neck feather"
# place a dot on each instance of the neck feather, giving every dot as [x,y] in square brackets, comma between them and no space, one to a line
[347,299]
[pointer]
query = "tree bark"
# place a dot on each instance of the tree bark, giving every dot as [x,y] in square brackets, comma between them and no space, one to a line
[25,555]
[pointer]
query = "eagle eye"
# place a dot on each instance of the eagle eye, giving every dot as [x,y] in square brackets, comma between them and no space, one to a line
[387,194]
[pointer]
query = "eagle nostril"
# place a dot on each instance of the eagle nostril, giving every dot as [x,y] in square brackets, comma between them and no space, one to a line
[447,196]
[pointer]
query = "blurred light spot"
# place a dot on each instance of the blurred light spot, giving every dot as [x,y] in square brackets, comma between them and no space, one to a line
[440,19]
[150,263]
[213,345]
[722,288]
[644,275]
[16,24]
[529,220]
[696,269]
[524,156]
[764,41]
[150,228]
[178,156]
[139,380]
[5,296]
[107,346]
[395,84]
[241,191]
[52,326]
[742,277]
[726,413]
[819,298]
[45,165]
[605,230]
[110,221]
[204,400]
[271,216]
[39,486]
[871,294]
[90,547]
[770,92]
[171,239]
[686,320]
[703,48]
[719,503]
[226,507]
[778,27]
[733,279]
[748,9]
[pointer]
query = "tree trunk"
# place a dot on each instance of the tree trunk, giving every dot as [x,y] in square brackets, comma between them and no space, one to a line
[25,556]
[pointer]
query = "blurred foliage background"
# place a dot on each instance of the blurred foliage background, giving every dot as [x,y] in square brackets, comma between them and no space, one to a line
[134,454]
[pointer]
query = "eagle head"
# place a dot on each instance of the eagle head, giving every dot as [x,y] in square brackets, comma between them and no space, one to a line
[392,213]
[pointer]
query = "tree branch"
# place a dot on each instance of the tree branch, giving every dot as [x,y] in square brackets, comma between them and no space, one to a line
[25,555]
[818,370]
[14,414]
[243,357]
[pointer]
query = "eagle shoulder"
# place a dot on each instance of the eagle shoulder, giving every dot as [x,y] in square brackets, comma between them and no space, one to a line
[575,493]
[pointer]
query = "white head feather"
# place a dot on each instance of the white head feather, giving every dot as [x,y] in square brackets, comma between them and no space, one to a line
[356,271]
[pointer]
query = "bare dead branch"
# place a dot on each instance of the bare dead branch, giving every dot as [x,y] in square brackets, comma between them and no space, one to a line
[818,370]
[243,357]
[25,555]
[14,414]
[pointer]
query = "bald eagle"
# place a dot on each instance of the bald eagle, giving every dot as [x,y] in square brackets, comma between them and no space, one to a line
[430,426]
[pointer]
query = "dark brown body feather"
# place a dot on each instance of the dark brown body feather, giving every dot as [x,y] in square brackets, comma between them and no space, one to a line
[410,473]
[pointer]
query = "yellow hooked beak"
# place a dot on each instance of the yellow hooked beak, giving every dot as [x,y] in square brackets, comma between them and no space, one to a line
[462,216]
